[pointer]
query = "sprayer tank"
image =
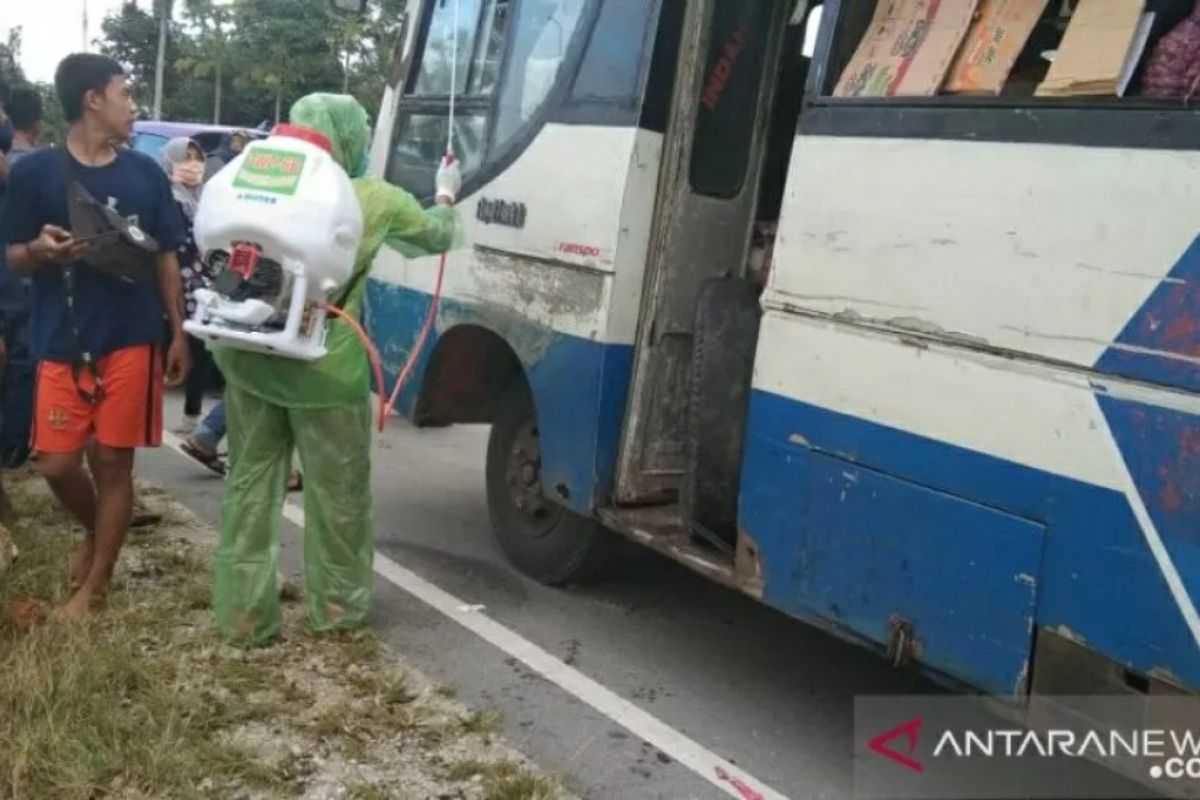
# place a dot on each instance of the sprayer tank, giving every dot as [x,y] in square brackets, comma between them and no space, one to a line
[282,224]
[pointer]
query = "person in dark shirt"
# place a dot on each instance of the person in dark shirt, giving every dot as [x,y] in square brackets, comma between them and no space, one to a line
[26,115]
[6,136]
[115,396]
[182,159]
[16,379]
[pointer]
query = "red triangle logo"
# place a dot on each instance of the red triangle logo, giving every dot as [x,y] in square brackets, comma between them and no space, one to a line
[909,731]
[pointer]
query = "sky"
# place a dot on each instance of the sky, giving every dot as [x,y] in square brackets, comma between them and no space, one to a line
[52,29]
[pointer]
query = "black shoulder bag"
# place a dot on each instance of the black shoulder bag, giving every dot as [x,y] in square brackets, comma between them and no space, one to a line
[119,249]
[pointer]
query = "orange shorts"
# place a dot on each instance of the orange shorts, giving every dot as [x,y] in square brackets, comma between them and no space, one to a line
[126,414]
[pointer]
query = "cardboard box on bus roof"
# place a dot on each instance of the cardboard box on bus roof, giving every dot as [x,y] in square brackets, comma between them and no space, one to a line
[907,49]
[992,45]
[1095,53]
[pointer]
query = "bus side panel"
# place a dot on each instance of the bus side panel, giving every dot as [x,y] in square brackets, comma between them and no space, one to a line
[1106,476]
[579,385]
[1047,250]
[870,553]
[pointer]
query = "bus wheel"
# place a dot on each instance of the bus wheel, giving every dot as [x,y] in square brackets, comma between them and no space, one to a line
[539,537]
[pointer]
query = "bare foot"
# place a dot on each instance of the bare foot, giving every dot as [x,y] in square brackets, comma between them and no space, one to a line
[82,605]
[80,564]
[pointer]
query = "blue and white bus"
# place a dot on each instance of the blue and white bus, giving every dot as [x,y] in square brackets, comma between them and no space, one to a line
[921,371]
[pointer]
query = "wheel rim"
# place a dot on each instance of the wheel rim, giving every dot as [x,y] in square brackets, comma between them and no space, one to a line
[524,478]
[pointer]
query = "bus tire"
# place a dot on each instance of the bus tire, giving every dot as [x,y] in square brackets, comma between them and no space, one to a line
[544,540]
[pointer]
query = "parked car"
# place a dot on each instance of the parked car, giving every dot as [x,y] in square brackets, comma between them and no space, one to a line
[150,137]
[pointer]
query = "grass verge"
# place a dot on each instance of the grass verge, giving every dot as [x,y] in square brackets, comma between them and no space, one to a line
[145,702]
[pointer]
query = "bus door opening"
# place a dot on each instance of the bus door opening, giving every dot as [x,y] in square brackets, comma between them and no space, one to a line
[739,80]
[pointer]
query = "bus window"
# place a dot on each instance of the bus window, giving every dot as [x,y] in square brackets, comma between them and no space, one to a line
[436,66]
[810,30]
[614,64]
[489,49]
[421,142]
[422,123]
[542,33]
[794,61]
[730,96]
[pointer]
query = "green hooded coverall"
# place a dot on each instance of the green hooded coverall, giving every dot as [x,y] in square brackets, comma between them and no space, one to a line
[323,409]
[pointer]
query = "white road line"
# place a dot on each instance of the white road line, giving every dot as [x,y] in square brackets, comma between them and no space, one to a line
[683,749]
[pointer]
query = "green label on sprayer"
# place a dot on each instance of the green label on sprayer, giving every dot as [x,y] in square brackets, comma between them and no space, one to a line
[267,170]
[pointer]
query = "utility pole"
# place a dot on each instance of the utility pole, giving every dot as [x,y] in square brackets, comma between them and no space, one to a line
[84,47]
[163,9]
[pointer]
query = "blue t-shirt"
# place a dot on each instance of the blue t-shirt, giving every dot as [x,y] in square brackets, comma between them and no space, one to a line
[109,314]
[15,290]
[5,133]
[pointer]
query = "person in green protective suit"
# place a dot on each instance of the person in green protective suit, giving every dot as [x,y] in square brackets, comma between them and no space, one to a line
[322,409]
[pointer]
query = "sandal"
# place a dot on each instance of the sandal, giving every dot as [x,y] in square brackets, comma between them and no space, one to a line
[210,461]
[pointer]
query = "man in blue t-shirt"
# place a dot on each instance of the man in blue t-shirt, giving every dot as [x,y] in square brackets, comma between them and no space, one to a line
[6,141]
[6,137]
[98,338]
[24,110]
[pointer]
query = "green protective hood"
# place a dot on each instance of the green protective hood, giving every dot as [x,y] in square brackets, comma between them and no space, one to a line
[342,120]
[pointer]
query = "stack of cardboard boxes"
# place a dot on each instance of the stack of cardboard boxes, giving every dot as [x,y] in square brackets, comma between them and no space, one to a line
[925,47]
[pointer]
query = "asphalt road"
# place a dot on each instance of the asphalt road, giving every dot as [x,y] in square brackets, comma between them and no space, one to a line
[764,692]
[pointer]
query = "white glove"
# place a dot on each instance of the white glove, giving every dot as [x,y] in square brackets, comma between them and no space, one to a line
[449,180]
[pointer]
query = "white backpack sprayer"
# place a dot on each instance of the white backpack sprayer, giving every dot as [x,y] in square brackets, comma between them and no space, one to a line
[283,224]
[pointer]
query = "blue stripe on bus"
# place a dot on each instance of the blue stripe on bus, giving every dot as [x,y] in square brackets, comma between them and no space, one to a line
[919,491]
[1161,449]
[1097,579]
[1161,342]
[579,386]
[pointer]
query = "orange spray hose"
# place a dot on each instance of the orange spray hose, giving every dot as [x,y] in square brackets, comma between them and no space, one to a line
[386,407]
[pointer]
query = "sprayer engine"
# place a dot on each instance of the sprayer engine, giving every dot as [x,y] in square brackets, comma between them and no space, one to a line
[279,228]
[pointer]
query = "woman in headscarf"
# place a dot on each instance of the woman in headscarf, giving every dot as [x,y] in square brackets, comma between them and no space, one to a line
[183,161]
[321,408]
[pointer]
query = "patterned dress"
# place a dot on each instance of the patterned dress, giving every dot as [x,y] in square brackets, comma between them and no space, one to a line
[194,273]
[1173,70]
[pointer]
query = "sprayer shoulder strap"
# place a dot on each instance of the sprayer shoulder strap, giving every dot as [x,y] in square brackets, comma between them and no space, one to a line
[82,358]
[348,290]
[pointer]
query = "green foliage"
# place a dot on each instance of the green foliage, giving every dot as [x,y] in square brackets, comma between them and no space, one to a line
[54,127]
[131,37]
[281,47]
[10,58]
[54,124]
[245,62]
[208,56]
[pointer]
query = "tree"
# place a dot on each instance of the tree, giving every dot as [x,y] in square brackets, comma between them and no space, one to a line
[349,33]
[368,54]
[275,51]
[281,48]
[131,37]
[210,53]
[162,13]
[10,58]
[54,124]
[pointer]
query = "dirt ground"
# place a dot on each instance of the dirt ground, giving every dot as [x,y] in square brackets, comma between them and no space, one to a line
[146,702]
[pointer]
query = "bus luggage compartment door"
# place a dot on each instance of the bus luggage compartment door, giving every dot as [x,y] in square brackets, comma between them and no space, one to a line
[887,559]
